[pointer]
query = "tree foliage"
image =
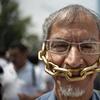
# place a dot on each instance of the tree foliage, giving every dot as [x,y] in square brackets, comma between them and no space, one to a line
[32,42]
[12,27]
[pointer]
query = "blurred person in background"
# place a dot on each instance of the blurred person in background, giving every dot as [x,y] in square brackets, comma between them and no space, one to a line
[18,54]
[44,81]
[71,53]
[10,84]
[41,77]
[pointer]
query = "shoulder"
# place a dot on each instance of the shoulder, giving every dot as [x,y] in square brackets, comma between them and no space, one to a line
[44,97]
[96,95]
[47,96]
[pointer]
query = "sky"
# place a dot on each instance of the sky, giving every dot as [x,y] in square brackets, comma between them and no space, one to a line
[38,10]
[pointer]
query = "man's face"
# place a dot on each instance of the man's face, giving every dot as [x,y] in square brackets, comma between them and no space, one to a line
[74,58]
[17,57]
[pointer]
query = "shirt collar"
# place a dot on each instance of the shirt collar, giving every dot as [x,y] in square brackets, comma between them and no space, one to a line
[95,96]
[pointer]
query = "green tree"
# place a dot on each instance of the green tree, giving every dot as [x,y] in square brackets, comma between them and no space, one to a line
[32,42]
[12,27]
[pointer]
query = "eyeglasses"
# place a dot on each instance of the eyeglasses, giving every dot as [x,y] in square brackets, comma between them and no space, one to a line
[62,47]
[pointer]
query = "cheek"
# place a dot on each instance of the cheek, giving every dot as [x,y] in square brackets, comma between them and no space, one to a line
[56,59]
[91,59]
[90,83]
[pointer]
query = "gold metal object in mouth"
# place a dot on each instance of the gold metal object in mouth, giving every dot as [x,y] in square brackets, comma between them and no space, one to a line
[55,70]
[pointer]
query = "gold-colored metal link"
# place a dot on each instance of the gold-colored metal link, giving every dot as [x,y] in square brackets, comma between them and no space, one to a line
[55,70]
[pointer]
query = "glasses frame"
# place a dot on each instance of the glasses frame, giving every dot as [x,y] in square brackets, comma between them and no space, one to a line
[48,46]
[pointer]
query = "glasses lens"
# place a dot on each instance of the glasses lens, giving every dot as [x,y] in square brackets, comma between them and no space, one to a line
[62,46]
[57,46]
[90,48]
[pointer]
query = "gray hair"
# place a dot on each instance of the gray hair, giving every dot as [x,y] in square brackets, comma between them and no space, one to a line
[68,14]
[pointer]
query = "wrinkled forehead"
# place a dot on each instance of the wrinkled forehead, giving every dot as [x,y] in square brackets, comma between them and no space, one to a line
[82,20]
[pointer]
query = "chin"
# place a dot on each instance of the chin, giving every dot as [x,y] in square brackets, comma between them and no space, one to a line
[75,88]
[71,91]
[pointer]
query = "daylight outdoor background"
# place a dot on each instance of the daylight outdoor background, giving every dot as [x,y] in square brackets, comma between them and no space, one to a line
[40,9]
[22,20]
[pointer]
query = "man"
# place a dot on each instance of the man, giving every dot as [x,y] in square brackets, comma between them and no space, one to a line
[18,54]
[9,81]
[71,53]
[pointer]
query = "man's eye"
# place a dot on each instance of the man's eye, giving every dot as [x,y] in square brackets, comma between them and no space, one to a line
[88,48]
[59,47]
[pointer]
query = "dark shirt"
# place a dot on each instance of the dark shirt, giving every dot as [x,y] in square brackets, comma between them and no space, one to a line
[51,96]
[97,82]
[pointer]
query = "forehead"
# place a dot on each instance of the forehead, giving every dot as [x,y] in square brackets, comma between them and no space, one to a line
[81,24]
[14,51]
[75,31]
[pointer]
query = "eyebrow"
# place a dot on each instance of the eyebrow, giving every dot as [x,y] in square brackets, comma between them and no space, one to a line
[59,38]
[90,40]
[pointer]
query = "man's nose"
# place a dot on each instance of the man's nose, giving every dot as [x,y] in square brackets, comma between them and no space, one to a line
[74,58]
